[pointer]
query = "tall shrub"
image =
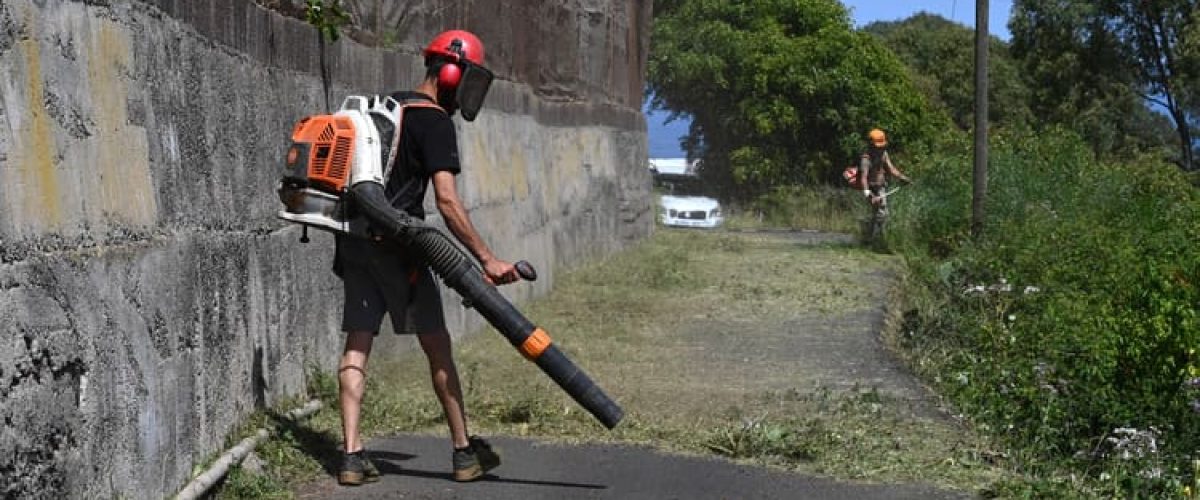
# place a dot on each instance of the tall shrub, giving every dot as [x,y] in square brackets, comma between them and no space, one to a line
[1075,315]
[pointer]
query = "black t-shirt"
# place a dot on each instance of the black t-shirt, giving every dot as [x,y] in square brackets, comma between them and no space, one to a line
[428,144]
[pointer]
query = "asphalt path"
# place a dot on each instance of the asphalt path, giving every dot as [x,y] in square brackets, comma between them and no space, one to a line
[418,467]
[841,352]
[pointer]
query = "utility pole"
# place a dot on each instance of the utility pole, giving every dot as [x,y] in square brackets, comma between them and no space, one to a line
[979,191]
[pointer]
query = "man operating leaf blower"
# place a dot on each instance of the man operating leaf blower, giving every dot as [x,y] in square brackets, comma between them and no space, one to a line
[362,173]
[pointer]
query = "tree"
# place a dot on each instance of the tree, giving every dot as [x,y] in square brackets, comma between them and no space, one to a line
[1189,67]
[940,57]
[1091,61]
[1153,29]
[781,92]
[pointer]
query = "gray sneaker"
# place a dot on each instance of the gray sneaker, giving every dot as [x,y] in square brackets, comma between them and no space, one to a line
[357,469]
[472,462]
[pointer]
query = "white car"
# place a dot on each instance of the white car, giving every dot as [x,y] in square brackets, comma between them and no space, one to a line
[690,211]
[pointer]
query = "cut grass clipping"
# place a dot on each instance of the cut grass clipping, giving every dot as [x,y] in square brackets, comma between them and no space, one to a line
[695,334]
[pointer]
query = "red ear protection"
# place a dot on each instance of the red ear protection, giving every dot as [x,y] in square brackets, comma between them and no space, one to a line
[453,49]
[449,76]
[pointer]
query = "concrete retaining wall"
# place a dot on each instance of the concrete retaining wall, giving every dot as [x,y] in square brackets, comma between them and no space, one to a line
[148,297]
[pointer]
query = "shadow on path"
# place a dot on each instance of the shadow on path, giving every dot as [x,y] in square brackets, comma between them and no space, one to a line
[535,470]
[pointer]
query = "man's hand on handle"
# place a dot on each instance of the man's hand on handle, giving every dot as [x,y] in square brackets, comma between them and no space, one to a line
[520,270]
[499,272]
[871,198]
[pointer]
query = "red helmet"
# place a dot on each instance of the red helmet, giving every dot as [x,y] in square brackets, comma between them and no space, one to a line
[454,44]
[457,56]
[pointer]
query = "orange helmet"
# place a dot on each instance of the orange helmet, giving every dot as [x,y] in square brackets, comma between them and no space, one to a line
[877,138]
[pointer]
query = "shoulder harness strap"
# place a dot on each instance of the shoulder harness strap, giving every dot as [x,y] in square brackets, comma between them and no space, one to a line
[406,103]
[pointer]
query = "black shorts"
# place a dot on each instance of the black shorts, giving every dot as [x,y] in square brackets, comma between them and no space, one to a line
[379,278]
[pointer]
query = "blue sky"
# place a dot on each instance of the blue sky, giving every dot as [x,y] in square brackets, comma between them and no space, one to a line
[664,138]
[961,11]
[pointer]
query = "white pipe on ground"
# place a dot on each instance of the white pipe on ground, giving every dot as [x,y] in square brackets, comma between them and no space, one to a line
[203,482]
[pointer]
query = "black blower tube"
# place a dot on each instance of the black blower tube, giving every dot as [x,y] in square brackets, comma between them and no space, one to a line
[458,272]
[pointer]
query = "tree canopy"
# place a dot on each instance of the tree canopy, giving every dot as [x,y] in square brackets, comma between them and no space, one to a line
[1095,64]
[940,55]
[780,92]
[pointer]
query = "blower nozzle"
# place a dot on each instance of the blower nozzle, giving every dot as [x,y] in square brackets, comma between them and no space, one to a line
[458,272]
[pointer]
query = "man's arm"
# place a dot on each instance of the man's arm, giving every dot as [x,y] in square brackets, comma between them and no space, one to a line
[864,170]
[895,172]
[451,208]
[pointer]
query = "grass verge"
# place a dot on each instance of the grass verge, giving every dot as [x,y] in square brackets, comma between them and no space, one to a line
[706,340]
[822,208]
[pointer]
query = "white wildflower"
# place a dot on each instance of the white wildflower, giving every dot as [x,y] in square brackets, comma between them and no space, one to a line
[1151,473]
[1131,443]
[1041,369]
[1000,287]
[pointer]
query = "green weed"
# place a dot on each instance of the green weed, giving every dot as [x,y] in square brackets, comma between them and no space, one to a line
[830,209]
[1071,317]
[242,484]
[758,439]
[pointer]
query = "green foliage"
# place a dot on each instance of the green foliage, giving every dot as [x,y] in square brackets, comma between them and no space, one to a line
[940,55]
[937,212]
[322,385]
[780,92]
[824,208]
[243,484]
[755,438]
[327,16]
[1189,64]
[1076,312]
[1094,65]
[662,268]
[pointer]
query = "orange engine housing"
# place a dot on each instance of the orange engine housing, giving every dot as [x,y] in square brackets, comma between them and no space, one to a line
[851,176]
[330,148]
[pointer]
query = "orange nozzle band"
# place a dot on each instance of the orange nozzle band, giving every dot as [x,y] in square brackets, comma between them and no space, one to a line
[535,344]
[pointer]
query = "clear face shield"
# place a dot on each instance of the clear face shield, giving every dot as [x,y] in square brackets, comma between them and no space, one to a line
[472,89]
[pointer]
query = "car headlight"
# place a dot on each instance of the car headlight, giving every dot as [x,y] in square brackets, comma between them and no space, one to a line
[716,212]
[671,212]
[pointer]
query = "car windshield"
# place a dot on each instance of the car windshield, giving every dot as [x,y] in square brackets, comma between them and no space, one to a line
[680,185]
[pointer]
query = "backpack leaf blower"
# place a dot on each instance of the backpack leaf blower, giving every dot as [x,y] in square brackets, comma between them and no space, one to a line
[334,181]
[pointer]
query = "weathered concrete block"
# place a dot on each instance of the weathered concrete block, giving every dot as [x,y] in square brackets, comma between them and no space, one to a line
[123,363]
[149,299]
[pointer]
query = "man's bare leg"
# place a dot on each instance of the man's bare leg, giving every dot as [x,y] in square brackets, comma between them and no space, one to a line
[442,371]
[352,381]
